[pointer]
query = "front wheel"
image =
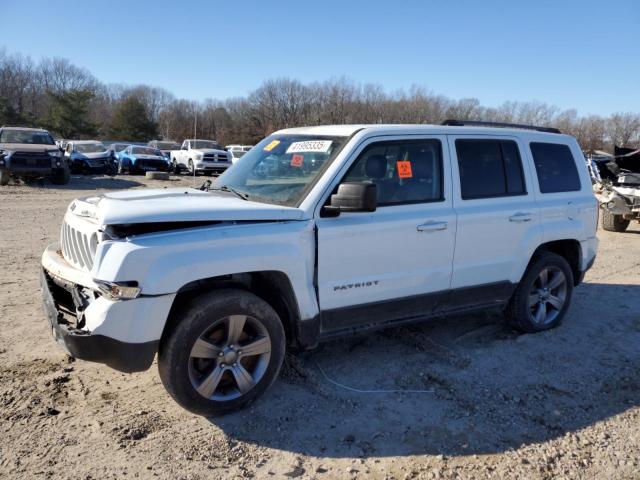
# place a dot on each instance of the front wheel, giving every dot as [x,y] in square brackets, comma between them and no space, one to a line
[62,176]
[225,350]
[191,168]
[5,176]
[543,295]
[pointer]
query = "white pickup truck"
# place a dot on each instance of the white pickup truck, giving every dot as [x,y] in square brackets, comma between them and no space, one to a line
[351,228]
[201,156]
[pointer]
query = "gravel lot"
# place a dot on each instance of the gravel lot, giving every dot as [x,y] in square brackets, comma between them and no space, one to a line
[485,402]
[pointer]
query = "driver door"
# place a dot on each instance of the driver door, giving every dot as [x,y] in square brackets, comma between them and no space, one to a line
[396,262]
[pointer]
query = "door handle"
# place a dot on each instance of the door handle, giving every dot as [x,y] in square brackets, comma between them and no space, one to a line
[432,226]
[520,217]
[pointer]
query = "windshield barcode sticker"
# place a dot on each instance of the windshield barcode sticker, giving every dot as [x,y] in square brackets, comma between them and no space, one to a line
[321,146]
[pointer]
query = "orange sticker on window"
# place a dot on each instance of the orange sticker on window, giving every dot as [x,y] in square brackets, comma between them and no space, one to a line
[272,145]
[404,169]
[296,160]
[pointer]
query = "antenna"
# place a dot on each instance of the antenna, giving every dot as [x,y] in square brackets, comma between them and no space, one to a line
[195,136]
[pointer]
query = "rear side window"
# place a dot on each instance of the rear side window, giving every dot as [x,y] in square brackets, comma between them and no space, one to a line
[489,168]
[556,167]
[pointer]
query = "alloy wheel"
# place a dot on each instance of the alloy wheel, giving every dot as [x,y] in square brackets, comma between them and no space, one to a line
[229,358]
[548,295]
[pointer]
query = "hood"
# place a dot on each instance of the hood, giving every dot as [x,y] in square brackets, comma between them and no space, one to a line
[91,154]
[177,205]
[209,150]
[27,147]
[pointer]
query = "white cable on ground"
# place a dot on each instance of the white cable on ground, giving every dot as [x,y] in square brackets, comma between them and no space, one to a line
[357,390]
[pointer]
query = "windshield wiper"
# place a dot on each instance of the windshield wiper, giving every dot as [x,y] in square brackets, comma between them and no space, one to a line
[226,188]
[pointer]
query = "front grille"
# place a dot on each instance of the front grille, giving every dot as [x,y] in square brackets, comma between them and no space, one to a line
[31,159]
[151,164]
[214,157]
[78,248]
[97,162]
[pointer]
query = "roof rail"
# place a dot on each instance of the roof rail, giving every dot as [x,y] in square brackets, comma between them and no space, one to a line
[477,123]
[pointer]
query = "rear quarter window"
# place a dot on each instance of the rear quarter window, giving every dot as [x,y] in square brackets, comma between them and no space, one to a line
[489,168]
[555,167]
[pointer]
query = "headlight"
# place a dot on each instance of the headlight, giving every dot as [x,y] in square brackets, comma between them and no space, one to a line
[55,153]
[119,290]
[198,156]
[5,153]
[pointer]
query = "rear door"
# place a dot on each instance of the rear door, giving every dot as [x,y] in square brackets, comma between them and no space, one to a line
[392,263]
[498,219]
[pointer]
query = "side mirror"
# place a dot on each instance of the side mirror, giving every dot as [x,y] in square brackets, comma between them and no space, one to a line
[353,197]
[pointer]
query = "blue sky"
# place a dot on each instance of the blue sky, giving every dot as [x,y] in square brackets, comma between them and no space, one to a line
[581,54]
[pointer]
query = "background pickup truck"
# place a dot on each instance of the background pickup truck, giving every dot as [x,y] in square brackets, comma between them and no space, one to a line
[206,156]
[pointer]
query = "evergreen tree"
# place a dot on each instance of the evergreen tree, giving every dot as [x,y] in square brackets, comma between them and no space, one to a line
[131,121]
[69,114]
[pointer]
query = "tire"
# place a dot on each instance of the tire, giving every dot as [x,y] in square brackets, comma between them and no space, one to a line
[191,167]
[614,223]
[537,305]
[5,176]
[185,373]
[62,176]
[176,167]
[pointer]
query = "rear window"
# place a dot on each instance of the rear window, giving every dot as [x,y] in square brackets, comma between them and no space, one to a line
[489,168]
[556,168]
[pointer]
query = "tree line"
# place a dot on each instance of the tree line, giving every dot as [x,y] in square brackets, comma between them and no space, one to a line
[68,100]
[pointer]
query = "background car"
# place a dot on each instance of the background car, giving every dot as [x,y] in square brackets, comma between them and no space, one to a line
[165,146]
[89,157]
[237,151]
[31,153]
[137,159]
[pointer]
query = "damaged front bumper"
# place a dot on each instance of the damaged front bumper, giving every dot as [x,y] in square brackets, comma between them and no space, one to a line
[623,201]
[123,334]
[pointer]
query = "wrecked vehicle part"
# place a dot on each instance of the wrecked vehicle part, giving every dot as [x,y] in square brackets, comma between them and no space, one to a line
[616,185]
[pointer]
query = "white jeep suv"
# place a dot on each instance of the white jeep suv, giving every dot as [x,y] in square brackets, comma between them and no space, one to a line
[351,228]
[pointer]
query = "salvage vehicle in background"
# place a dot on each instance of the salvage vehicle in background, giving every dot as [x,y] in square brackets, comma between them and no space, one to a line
[165,146]
[31,153]
[616,183]
[136,159]
[399,223]
[237,151]
[89,157]
[200,156]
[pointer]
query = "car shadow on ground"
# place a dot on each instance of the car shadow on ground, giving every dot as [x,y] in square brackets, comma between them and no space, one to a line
[478,387]
[87,182]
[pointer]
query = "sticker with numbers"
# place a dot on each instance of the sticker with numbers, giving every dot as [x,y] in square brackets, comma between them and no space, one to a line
[319,146]
[404,169]
[296,160]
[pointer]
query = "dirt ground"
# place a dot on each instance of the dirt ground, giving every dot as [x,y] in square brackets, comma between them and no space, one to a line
[461,398]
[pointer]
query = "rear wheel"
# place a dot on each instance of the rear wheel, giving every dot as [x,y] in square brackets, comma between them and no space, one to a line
[543,295]
[225,351]
[614,223]
[176,167]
